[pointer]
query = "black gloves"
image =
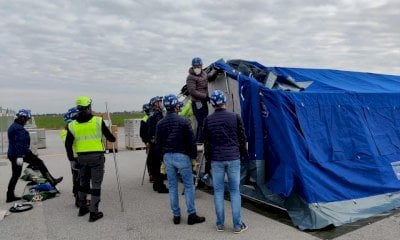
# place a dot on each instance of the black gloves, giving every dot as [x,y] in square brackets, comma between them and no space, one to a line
[207,99]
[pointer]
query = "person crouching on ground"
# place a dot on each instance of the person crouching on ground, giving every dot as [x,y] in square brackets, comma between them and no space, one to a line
[175,138]
[19,152]
[225,146]
[86,133]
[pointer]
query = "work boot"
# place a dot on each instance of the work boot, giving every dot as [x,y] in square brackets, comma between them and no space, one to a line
[12,198]
[83,211]
[177,219]
[193,219]
[53,181]
[94,216]
[163,189]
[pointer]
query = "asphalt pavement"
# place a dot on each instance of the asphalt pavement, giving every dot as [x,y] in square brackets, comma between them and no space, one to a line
[146,214]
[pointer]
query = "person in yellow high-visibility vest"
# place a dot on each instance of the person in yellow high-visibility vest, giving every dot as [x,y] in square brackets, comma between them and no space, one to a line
[86,132]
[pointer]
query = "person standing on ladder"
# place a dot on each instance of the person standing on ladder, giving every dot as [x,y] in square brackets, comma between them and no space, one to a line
[197,85]
[86,133]
[18,152]
[174,136]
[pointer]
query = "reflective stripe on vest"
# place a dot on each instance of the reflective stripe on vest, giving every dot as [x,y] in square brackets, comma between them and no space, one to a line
[87,135]
[145,118]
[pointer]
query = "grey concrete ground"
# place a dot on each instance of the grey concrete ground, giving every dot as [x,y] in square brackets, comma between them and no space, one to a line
[147,214]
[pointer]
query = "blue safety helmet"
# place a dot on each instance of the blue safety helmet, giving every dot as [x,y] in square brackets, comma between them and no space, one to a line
[197,61]
[217,98]
[146,107]
[170,101]
[154,100]
[24,113]
[70,115]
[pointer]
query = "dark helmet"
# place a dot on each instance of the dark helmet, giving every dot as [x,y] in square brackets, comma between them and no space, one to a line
[24,113]
[146,107]
[197,61]
[217,98]
[170,101]
[71,114]
[154,100]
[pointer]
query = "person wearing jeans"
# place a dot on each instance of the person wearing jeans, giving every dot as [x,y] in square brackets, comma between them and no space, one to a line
[232,169]
[174,163]
[175,138]
[225,146]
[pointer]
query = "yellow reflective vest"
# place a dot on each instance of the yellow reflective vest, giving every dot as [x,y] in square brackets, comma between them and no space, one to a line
[145,118]
[87,135]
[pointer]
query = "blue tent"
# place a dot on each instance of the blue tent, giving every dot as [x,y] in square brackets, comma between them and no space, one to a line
[329,153]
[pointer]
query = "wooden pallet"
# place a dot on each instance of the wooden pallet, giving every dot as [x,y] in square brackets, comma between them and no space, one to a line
[135,148]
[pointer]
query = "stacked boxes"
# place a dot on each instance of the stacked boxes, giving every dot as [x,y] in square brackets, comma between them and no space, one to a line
[34,140]
[41,134]
[109,145]
[132,134]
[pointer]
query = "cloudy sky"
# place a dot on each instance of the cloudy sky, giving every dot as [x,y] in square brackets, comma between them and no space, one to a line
[124,52]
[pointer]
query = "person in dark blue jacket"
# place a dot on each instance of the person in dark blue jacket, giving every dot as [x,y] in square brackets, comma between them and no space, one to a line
[175,138]
[19,152]
[154,156]
[225,146]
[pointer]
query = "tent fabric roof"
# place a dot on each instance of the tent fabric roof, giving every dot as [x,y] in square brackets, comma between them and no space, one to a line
[339,139]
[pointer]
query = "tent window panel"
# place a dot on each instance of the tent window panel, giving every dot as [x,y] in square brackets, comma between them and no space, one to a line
[383,123]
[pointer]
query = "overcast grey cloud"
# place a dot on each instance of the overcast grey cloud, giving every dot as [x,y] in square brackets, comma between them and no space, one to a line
[124,52]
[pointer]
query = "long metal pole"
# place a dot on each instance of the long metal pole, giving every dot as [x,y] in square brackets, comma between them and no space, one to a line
[115,163]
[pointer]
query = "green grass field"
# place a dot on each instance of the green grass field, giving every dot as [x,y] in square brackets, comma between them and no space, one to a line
[56,121]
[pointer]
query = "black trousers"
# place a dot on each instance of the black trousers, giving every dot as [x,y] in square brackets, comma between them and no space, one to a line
[91,174]
[200,111]
[17,170]
[155,159]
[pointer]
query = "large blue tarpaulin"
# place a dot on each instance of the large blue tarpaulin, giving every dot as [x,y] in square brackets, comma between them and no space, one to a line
[337,140]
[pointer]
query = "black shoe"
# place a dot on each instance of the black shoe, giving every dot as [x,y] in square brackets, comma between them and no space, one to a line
[94,216]
[163,190]
[193,219]
[177,219]
[57,181]
[12,198]
[83,211]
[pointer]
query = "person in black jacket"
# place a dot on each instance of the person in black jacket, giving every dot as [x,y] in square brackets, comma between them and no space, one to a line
[19,152]
[154,156]
[175,138]
[144,128]
[225,146]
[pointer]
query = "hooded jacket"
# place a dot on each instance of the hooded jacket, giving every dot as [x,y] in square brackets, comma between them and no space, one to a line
[197,85]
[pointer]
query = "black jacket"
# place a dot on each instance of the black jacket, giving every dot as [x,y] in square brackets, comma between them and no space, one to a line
[154,118]
[82,117]
[174,134]
[224,137]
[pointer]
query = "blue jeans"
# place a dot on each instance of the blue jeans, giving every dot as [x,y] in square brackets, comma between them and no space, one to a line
[232,169]
[174,163]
